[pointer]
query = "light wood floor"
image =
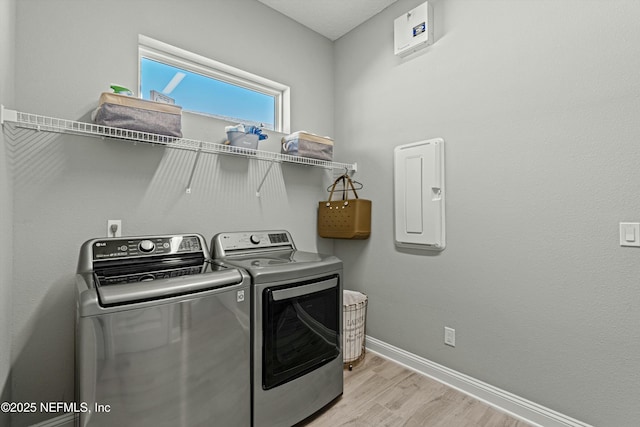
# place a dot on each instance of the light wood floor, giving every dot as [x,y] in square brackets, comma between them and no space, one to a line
[378,392]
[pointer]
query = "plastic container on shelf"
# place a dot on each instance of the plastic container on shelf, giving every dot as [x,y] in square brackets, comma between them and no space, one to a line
[242,139]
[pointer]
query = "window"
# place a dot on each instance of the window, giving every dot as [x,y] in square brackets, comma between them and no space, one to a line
[202,85]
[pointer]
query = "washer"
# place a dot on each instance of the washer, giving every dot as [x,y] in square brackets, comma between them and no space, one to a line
[162,338]
[296,324]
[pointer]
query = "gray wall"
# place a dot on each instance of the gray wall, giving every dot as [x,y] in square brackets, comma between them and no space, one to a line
[538,103]
[7,43]
[66,187]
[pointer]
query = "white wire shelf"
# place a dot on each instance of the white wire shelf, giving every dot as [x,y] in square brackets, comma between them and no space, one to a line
[51,124]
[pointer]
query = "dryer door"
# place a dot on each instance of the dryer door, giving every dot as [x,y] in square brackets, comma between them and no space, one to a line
[300,329]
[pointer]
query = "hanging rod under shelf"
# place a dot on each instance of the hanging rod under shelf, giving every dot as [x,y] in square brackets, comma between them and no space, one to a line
[51,124]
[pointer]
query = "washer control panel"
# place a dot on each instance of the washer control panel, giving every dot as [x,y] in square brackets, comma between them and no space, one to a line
[136,247]
[225,243]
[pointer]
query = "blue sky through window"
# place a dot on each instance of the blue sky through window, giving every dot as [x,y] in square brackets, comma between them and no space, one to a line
[199,93]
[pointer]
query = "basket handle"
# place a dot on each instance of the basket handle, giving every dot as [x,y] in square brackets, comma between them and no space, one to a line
[333,187]
[351,184]
[345,179]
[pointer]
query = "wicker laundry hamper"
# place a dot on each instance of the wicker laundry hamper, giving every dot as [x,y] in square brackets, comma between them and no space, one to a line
[354,323]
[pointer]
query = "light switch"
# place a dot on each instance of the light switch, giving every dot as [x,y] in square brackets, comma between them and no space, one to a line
[629,234]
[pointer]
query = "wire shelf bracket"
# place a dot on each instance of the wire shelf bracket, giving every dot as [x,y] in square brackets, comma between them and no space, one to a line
[193,169]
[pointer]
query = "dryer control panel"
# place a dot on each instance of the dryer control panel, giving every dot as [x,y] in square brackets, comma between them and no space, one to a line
[248,241]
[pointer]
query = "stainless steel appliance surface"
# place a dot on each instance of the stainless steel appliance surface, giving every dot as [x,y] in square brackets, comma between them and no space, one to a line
[296,324]
[162,336]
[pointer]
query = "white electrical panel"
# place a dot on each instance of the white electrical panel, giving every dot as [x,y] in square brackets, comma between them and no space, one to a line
[419,195]
[413,30]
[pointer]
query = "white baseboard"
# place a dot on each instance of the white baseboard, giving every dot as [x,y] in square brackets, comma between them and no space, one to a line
[504,401]
[66,420]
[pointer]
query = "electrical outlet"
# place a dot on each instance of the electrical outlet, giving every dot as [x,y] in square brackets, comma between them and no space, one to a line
[450,336]
[114,228]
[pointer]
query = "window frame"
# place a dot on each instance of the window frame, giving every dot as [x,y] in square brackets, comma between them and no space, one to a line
[174,56]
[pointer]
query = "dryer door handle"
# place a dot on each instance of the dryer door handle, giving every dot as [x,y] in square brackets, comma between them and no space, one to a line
[304,289]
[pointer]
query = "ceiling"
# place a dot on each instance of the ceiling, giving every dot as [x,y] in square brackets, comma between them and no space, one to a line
[331,18]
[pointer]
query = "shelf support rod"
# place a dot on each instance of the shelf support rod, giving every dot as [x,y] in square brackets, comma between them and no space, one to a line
[193,170]
[263,179]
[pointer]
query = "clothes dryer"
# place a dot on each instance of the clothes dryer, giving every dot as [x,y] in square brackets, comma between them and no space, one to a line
[296,323]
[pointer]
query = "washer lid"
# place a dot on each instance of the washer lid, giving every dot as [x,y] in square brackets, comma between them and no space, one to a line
[283,265]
